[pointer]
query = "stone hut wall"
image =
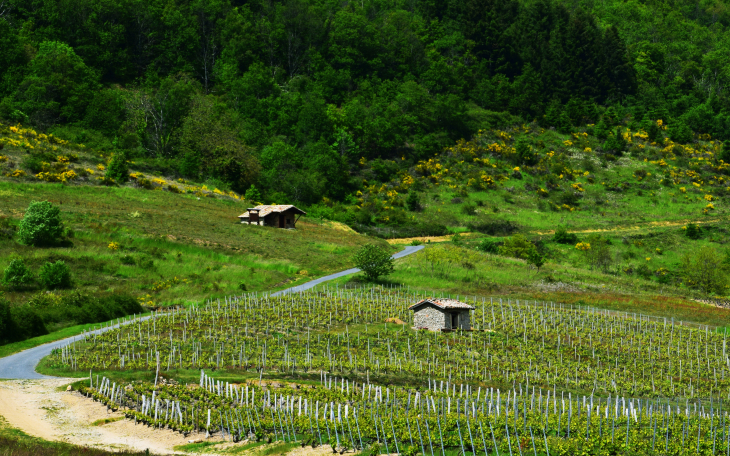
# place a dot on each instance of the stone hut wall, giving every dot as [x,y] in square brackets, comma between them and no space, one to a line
[430,317]
[464,320]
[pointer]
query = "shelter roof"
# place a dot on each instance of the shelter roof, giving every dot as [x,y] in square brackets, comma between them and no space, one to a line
[265,210]
[443,303]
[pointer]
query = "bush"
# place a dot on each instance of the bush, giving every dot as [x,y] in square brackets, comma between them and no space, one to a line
[26,323]
[374,261]
[419,230]
[489,246]
[469,209]
[494,227]
[412,202]
[6,322]
[562,236]
[118,169]
[7,229]
[680,132]
[41,224]
[55,275]
[705,269]
[17,275]
[693,231]
[518,246]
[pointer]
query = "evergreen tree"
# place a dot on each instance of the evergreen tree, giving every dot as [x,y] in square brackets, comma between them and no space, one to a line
[118,170]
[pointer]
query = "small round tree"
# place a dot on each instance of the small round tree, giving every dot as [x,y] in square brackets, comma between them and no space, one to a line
[17,275]
[55,275]
[41,224]
[374,261]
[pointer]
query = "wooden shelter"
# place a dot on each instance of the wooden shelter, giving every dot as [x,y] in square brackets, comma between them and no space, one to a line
[439,314]
[279,215]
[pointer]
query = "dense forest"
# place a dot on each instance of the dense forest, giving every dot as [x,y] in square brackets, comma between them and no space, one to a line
[291,95]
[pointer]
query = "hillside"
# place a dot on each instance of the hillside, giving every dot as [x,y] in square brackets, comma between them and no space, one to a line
[290,97]
[154,242]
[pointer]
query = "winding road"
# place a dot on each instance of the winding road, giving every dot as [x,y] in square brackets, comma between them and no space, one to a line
[22,365]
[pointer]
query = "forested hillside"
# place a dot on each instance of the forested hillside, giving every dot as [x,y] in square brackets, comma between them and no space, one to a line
[292,96]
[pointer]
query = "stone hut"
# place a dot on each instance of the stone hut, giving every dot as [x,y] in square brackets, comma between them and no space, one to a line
[437,314]
[278,215]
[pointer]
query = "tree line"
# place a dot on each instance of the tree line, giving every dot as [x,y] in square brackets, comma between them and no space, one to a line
[290,95]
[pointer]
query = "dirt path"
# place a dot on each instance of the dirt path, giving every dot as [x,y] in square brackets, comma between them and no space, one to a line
[40,409]
[616,229]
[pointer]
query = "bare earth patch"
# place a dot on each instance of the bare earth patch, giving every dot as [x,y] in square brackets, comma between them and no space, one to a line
[37,408]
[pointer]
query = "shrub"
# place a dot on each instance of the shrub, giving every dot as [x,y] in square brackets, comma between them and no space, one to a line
[489,246]
[41,224]
[26,323]
[517,246]
[643,271]
[680,132]
[469,209]
[705,269]
[693,231]
[374,261]
[7,229]
[55,275]
[524,153]
[17,275]
[494,227]
[562,236]
[535,258]
[6,322]
[413,203]
[127,259]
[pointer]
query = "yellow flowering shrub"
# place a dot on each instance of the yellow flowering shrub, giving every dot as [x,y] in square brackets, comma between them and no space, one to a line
[113,246]
[583,246]
[16,173]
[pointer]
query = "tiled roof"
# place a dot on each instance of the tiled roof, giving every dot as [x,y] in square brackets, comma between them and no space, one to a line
[265,210]
[443,303]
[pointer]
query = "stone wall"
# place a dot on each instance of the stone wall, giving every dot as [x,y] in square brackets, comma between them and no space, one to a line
[464,319]
[430,317]
[435,319]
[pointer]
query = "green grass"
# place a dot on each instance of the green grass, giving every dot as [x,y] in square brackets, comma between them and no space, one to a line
[15,347]
[179,249]
[460,270]
[195,447]
[104,421]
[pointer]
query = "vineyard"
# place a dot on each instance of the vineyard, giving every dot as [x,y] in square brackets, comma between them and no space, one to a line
[532,378]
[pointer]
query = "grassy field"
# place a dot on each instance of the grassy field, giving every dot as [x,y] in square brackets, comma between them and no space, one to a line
[173,248]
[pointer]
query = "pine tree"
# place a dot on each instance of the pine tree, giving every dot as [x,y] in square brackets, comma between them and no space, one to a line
[118,169]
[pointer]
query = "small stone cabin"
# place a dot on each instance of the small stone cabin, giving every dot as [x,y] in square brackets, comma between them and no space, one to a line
[437,314]
[279,215]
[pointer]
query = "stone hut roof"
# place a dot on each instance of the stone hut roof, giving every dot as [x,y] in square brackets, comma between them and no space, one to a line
[265,210]
[443,303]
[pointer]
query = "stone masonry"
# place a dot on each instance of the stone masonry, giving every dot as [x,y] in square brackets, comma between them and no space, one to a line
[435,319]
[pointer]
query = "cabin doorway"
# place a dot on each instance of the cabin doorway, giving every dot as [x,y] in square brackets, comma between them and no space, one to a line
[454,321]
[281,221]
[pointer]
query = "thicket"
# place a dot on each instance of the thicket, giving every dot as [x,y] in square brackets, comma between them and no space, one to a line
[290,96]
[20,322]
